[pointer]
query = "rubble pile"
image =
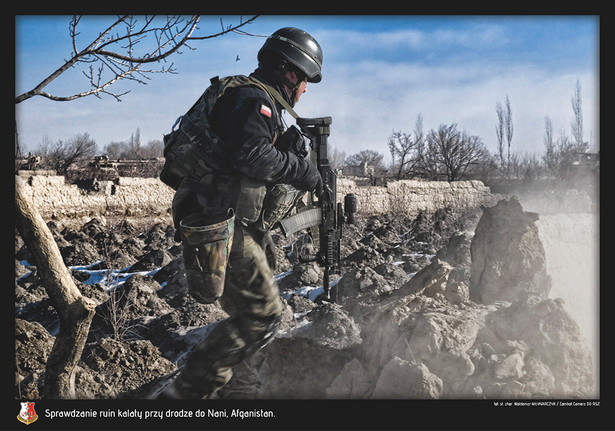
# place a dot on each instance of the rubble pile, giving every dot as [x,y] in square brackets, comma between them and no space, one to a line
[437,306]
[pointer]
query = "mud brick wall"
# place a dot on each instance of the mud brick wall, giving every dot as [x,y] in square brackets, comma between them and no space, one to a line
[411,197]
[144,199]
[138,199]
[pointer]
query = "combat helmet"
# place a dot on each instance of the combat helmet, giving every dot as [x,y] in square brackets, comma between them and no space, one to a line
[298,48]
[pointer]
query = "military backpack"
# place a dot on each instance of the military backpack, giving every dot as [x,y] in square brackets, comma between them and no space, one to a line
[193,150]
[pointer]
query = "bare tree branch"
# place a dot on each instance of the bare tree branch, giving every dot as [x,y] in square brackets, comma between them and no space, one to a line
[74,310]
[164,39]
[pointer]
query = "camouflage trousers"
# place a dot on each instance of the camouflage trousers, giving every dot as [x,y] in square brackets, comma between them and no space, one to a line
[251,298]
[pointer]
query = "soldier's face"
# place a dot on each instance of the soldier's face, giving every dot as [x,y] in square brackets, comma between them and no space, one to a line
[301,85]
[302,89]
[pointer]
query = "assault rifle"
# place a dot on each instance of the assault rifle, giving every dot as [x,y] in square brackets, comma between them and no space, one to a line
[326,213]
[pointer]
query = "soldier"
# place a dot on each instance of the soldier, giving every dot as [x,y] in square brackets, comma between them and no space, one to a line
[223,210]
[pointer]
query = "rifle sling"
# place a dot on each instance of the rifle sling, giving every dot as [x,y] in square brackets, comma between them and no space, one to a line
[280,99]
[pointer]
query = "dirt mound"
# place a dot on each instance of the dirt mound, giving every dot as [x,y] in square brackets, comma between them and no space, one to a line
[424,308]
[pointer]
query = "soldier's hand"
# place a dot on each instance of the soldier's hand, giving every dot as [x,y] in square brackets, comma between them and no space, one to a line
[319,186]
[292,140]
[311,180]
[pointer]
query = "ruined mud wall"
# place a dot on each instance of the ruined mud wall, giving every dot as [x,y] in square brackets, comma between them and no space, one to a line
[138,199]
[411,196]
[145,199]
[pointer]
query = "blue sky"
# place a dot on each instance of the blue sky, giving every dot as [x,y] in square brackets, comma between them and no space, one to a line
[379,74]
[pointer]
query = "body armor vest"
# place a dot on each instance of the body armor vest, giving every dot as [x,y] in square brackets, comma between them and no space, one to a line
[194,158]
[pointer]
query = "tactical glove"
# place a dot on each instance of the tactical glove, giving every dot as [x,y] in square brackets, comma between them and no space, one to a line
[311,180]
[292,140]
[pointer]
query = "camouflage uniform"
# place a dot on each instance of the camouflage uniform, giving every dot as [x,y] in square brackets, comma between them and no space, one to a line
[251,298]
[248,122]
[238,173]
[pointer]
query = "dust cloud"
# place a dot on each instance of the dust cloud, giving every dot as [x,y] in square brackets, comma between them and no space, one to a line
[569,228]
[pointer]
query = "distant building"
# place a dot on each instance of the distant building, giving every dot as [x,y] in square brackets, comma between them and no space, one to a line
[362,170]
[589,161]
[32,161]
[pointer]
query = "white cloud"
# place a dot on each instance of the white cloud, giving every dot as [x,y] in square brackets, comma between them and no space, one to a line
[369,101]
[374,82]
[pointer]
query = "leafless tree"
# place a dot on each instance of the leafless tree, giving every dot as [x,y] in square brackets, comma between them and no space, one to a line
[524,166]
[116,54]
[549,157]
[504,130]
[452,153]
[133,149]
[60,155]
[406,149]
[336,158]
[153,149]
[367,163]
[560,153]
[577,121]
[499,132]
[566,154]
[373,159]
[114,51]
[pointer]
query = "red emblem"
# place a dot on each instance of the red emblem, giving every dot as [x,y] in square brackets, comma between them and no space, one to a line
[266,111]
[27,413]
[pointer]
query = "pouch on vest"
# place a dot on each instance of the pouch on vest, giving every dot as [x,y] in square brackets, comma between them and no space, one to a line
[206,249]
[250,202]
[188,152]
[279,201]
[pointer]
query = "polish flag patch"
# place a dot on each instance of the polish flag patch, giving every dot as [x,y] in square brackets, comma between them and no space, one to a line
[266,111]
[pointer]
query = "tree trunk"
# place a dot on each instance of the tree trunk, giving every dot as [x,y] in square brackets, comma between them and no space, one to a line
[74,310]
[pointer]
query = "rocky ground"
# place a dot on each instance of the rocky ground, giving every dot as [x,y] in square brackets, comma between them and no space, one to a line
[442,306]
